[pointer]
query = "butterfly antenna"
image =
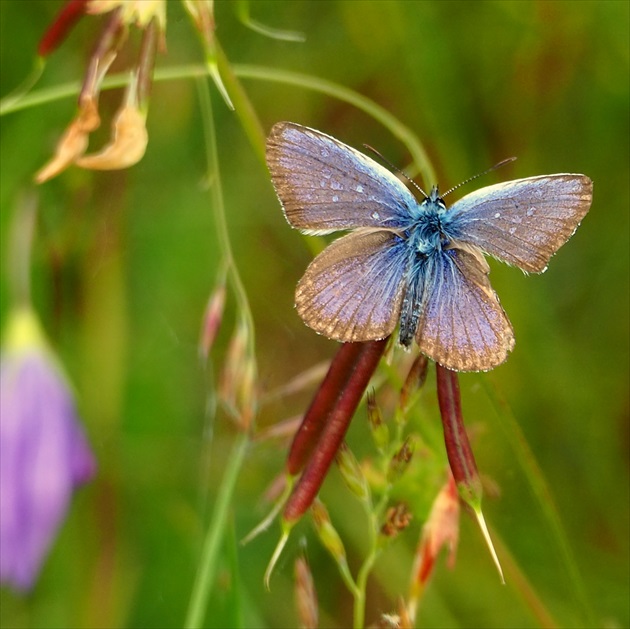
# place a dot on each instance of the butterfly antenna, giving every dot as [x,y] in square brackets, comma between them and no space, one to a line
[395,168]
[485,172]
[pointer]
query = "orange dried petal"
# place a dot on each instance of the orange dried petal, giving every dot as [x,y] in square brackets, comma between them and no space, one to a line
[127,147]
[73,142]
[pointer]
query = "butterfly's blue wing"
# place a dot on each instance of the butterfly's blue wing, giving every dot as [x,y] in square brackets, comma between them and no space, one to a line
[352,291]
[525,221]
[325,186]
[462,325]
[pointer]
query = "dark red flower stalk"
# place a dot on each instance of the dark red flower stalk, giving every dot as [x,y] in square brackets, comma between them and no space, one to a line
[57,32]
[458,450]
[308,433]
[341,396]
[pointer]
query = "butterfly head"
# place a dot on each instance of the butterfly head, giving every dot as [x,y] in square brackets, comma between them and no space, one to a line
[434,202]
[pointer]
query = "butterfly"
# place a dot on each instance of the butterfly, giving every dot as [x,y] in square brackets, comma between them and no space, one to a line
[416,264]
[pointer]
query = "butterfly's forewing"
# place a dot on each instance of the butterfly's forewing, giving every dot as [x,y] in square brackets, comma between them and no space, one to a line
[525,221]
[462,324]
[352,291]
[325,186]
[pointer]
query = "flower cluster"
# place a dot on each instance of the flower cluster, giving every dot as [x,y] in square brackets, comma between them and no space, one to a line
[129,136]
[318,442]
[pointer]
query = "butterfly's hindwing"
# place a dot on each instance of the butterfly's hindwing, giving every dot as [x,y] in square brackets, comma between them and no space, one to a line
[462,324]
[352,291]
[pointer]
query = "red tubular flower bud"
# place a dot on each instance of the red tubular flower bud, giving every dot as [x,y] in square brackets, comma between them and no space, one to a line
[460,455]
[334,429]
[327,395]
[59,29]
[458,450]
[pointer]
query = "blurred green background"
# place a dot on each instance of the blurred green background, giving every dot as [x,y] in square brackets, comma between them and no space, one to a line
[124,263]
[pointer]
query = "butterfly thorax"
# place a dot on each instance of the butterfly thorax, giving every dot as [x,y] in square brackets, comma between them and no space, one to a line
[427,236]
[428,232]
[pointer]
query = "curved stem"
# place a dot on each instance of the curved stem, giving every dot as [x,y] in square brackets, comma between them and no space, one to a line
[358,613]
[207,569]
[397,128]
[22,91]
[214,179]
[542,492]
[243,106]
[242,11]
[247,71]
[374,513]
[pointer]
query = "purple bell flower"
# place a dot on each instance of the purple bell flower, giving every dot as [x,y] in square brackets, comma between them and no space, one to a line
[44,454]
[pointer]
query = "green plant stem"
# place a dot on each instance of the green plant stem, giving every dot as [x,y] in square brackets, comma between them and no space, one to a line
[359,593]
[207,569]
[214,179]
[247,71]
[22,232]
[397,128]
[102,376]
[521,584]
[347,578]
[358,616]
[542,492]
[16,96]
[374,515]
[243,106]
[242,11]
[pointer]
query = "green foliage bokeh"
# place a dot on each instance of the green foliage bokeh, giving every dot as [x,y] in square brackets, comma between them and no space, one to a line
[124,262]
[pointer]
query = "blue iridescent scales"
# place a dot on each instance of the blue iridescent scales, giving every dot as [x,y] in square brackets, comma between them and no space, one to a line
[416,264]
